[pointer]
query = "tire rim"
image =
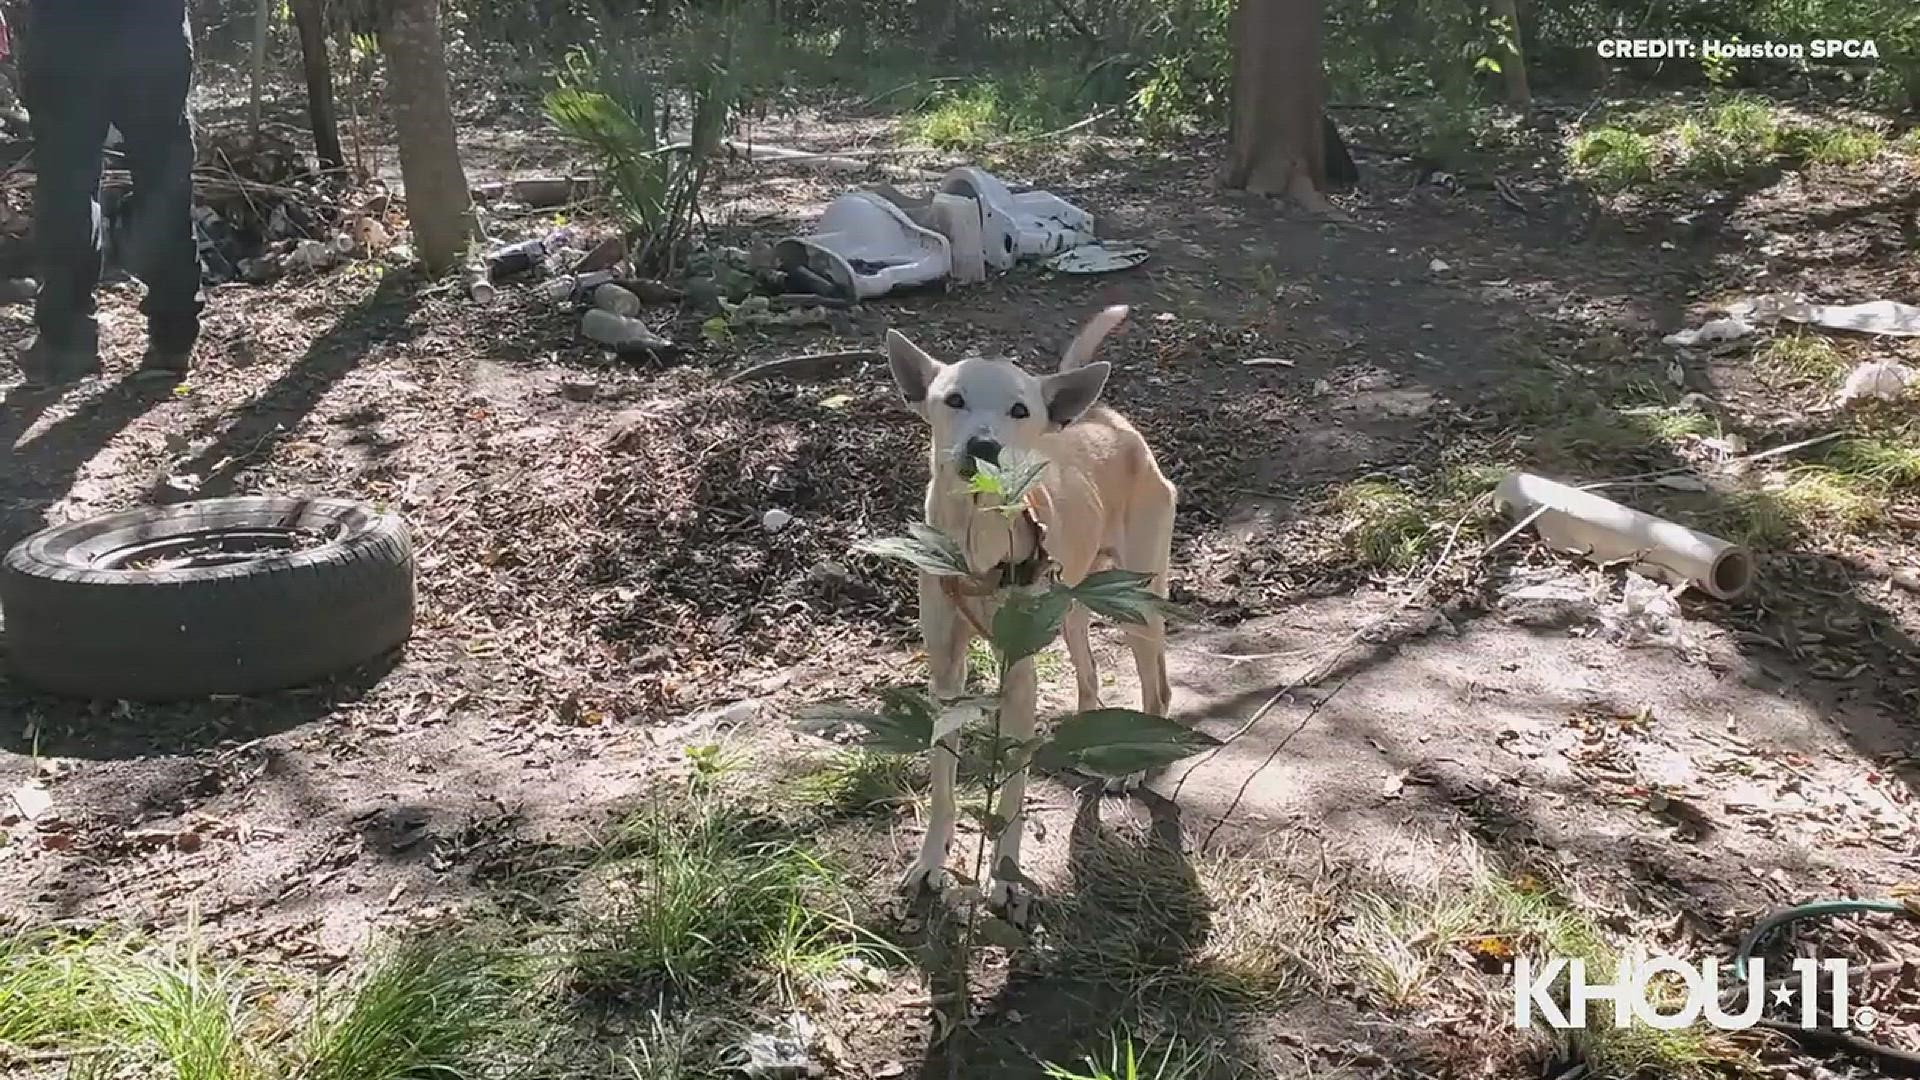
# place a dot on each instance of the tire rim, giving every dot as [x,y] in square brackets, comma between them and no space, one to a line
[206,548]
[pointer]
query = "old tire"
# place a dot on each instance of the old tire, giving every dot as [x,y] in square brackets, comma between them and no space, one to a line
[220,596]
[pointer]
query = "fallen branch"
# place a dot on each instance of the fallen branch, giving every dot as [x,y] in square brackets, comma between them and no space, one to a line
[813,365]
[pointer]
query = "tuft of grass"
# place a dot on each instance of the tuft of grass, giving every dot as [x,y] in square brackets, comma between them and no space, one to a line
[1822,496]
[1668,424]
[1175,1059]
[1613,158]
[1801,357]
[429,1006]
[1386,525]
[1877,460]
[682,898]
[1400,936]
[178,1014]
[1612,433]
[1390,526]
[1729,138]
[51,990]
[714,762]
[966,120]
[972,115]
[121,1005]
[1839,145]
[1813,500]
[858,781]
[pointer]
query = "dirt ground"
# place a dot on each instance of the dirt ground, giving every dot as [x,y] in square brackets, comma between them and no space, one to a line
[597,592]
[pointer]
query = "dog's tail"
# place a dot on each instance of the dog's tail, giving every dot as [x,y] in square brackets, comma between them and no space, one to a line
[1086,343]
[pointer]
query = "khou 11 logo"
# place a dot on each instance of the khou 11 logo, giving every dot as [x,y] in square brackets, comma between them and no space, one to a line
[1629,993]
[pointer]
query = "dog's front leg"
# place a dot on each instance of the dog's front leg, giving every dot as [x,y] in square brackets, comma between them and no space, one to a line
[1019,698]
[945,633]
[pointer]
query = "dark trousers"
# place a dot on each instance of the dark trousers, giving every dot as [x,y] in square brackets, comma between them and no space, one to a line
[86,67]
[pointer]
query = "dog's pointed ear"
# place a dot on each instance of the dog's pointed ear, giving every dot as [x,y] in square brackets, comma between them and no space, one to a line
[1071,393]
[913,370]
[1081,350]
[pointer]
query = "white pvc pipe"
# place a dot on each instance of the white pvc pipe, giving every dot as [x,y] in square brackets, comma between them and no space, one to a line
[1605,531]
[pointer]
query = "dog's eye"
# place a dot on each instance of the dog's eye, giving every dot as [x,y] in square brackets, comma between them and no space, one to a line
[1019,411]
[955,401]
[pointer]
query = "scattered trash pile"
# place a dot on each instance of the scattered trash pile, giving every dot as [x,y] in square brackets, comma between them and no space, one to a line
[869,243]
[261,212]
[1885,380]
[865,244]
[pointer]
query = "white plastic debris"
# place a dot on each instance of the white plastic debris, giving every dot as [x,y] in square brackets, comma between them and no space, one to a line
[1886,380]
[1027,225]
[617,300]
[957,218]
[620,331]
[775,519]
[1713,333]
[31,800]
[320,254]
[867,246]
[478,286]
[1647,613]
[1884,317]
[569,286]
[1097,258]
[1439,266]
[1575,520]
[782,1054]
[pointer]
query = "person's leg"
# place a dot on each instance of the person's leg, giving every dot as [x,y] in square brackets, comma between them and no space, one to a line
[152,115]
[67,103]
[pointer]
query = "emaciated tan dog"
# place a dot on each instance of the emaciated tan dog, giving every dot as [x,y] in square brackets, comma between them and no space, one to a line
[1101,502]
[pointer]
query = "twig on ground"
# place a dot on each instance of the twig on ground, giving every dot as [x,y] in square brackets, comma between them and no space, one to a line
[814,365]
[1087,121]
[884,95]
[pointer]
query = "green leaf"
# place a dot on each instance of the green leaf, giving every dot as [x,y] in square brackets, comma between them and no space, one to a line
[1487,63]
[904,724]
[1117,742]
[925,547]
[1028,622]
[1008,480]
[1122,595]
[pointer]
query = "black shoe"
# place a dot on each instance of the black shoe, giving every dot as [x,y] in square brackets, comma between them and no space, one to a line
[47,365]
[165,362]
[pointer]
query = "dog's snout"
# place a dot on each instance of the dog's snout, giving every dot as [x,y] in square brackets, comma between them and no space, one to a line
[986,450]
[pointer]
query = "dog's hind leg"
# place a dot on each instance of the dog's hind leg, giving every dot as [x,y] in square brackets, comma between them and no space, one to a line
[945,633]
[1086,676]
[1147,548]
[1019,700]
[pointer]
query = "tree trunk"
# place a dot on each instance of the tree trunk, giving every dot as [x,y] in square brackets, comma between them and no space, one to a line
[262,21]
[312,23]
[1513,64]
[439,205]
[1279,103]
